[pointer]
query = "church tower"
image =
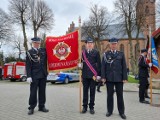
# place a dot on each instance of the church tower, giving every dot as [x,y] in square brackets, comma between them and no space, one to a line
[147,8]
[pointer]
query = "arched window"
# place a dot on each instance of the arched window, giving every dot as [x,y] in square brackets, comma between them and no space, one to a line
[122,48]
[147,10]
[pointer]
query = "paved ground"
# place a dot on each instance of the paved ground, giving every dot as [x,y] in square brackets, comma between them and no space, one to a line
[63,103]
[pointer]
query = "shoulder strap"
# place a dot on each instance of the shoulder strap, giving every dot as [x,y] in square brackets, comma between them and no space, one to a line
[30,57]
[88,64]
[104,56]
[140,58]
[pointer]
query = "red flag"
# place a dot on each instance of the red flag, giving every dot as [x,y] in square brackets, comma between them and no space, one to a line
[153,68]
[62,51]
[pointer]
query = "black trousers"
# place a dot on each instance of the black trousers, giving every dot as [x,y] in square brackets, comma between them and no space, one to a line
[99,85]
[40,86]
[146,91]
[110,98]
[89,83]
[143,84]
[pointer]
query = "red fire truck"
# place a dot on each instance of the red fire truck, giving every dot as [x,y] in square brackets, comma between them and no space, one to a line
[14,71]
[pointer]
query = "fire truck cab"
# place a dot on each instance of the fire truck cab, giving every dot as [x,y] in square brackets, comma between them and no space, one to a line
[14,71]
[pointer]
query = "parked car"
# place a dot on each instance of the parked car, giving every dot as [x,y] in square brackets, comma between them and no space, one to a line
[63,77]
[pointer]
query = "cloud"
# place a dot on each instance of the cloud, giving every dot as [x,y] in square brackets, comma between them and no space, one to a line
[4,5]
[66,8]
[66,11]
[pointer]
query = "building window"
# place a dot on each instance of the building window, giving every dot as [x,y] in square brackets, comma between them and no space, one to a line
[147,10]
[122,48]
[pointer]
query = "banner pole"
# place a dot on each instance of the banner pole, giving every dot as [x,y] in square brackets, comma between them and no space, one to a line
[80,71]
[150,38]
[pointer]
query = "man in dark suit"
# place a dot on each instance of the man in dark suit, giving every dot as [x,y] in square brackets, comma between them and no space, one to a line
[114,73]
[89,76]
[143,75]
[36,67]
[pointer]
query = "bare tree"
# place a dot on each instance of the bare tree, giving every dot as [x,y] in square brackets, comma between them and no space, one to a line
[5,27]
[97,24]
[1,58]
[10,58]
[43,36]
[42,16]
[132,19]
[24,11]
[17,44]
[19,12]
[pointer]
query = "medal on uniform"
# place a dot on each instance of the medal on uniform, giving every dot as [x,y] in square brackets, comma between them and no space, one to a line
[94,78]
[38,58]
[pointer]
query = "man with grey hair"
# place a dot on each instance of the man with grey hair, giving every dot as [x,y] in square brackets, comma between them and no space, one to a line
[36,68]
[114,73]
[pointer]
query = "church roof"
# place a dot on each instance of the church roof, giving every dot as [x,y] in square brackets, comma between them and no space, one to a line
[118,31]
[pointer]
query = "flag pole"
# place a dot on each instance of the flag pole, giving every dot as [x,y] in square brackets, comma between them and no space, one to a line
[150,38]
[80,71]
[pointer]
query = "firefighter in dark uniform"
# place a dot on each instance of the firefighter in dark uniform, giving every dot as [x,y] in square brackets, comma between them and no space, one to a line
[93,56]
[143,75]
[114,73]
[36,67]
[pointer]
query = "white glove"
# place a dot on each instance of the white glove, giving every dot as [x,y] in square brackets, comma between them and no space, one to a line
[29,80]
[98,77]
[79,65]
[150,64]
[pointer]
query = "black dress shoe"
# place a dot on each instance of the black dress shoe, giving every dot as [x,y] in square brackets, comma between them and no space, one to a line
[108,114]
[145,102]
[84,110]
[123,116]
[30,112]
[43,109]
[98,91]
[92,111]
[147,97]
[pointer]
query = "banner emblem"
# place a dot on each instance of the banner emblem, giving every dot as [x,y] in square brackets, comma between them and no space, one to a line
[61,50]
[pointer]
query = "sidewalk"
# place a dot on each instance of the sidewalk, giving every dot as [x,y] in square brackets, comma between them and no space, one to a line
[134,87]
[63,103]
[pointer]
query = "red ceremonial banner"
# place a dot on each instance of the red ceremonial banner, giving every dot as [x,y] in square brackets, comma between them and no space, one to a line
[62,52]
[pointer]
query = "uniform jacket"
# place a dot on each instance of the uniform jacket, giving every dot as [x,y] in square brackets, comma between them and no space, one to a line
[36,68]
[94,59]
[143,67]
[114,67]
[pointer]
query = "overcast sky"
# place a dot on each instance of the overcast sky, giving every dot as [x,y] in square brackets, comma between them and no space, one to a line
[66,11]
